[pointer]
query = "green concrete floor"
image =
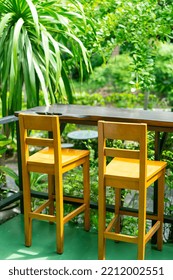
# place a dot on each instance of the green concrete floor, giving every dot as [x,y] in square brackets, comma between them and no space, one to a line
[79,245]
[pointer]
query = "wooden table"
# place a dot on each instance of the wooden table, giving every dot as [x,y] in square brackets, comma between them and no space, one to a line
[156,120]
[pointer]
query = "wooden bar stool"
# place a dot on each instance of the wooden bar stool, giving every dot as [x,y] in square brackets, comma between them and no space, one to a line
[54,161]
[128,169]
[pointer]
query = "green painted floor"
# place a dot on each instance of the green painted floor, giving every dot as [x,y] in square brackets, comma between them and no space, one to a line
[79,245]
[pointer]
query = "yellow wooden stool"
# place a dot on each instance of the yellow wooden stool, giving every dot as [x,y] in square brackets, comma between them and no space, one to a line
[54,161]
[128,169]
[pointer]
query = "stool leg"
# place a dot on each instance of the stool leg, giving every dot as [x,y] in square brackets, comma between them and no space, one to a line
[142,222]
[51,193]
[161,182]
[59,214]
[27,209]
[102,220]
[117,209]
[86,184]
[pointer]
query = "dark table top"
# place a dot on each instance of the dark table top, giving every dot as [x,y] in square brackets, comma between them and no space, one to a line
[83,114]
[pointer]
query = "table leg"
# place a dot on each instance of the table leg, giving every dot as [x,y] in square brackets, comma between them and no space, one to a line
[159,144]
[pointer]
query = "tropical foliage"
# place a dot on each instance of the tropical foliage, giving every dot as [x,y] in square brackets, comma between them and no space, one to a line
[38,43]
[43,44]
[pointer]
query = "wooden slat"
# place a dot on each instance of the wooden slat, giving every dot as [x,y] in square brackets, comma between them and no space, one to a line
[121,237]
[42,217]
[127,131]
[42,207]
[37,122]
[75,212]
[120,183]
[123,153]
[152,217]
[39,142]
[111,224]
[152,231]
[73,199]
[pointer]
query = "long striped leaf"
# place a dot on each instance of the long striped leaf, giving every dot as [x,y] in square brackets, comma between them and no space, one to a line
[29,57]
[5,60]
[83,49]
[68,87]
[45,43]
[17,30]
[41,79]
[4,21]
[58,62]
[30,86]
[34,16]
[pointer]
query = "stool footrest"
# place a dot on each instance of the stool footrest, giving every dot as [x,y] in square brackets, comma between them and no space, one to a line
[74,213]
[121,237]
[109,234]
[152,231]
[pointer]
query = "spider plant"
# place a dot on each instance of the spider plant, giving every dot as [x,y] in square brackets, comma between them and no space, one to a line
[39,40]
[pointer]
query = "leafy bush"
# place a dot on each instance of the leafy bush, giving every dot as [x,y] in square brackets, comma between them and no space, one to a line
[163,72]
[119,100]
[115,75]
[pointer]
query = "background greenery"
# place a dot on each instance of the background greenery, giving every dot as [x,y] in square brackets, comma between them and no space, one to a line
[46,45]
[94,52]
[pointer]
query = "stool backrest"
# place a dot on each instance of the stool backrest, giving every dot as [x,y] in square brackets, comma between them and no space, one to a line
[28,123]
[136,132]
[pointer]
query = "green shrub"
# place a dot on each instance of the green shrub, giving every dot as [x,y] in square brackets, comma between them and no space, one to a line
[163,72]
[119,100]
[115,75]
